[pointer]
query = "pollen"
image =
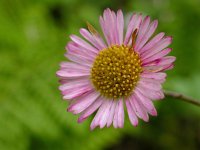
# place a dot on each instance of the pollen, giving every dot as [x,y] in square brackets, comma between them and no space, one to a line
[116,71]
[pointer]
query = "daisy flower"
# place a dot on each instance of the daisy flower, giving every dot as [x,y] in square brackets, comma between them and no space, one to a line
[121,69]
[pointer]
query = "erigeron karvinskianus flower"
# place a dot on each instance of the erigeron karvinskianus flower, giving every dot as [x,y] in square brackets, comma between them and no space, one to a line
[123,68]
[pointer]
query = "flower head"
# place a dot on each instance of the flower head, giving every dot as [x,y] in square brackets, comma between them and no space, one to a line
[125,69]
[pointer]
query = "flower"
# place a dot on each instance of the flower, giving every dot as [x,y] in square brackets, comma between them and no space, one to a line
[125,69]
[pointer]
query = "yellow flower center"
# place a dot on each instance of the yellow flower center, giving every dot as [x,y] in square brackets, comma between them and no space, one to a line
[116,71]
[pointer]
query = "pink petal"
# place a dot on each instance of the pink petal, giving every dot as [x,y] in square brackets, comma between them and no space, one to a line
[120,26]
[133,24]
[75,49]
[132,116]
[157,76]
[76,91]
[108,26]
[151,94]
[158,47]
[63,81]
[165,60]
[114,29]
[79,55]
[79,59]
[152,42]
[74,83]
[142,30]
[147,35]
[73,70]
[71,79]
[83,102]
[96,40]
[150,84]
[159,68]
[147,103]
[105,30]
[160,77]
[111,115]
[71,73]
[153,69]
[157,56]
[105,115]
[120,114]
[161,64]
[83,43]
[110,23]
[71,65]
[95,121]
[167,67]
[90,110]
[115,118]
[139,108]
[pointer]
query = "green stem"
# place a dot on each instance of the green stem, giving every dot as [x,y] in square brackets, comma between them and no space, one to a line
[182,97]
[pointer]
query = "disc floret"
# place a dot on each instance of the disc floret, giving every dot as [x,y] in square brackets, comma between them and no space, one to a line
[116,71]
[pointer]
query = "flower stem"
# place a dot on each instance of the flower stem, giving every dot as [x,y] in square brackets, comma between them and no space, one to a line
[182,97]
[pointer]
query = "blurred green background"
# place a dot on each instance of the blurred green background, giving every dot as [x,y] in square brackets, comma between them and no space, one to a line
[33,34]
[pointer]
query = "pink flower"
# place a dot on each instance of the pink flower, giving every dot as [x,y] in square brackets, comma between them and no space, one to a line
[125,69]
